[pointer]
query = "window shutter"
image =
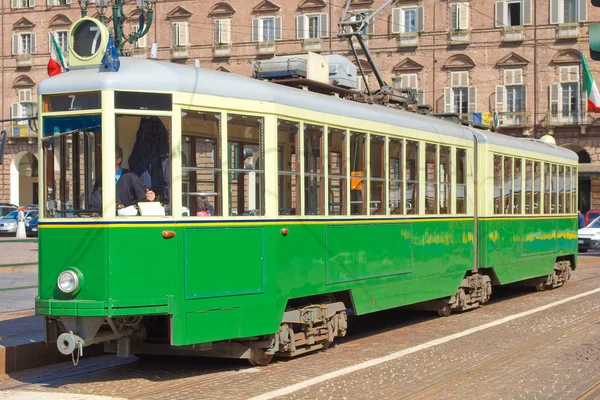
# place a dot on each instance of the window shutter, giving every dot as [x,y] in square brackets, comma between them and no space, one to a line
[68,1]
[555,98]
[14,4]
[32,36]
[324,23]
[582,10]
[500,98]
[472,99]
[524,97]
[448,100]
[15,43]
[277,28]
[186,33]
[371,27]
[526,13]
[518,76]
[32,3]
[455,79]
[15,110]
[50,42]
[420,19]
[217,31]
[174,35]
[396,18]
[555,15]
[255,22]
[226,31]
[583,105]
[500,8]
[463,16]
[421,96]
[453,17]
[24,95]
[300,27]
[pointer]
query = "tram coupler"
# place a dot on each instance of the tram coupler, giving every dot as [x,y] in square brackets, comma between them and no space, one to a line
[68,343]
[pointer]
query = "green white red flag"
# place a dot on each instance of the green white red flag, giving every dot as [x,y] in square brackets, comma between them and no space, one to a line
[56,64]
[589,85]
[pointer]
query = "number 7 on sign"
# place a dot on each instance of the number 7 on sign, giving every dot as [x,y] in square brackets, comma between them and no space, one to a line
[95,41]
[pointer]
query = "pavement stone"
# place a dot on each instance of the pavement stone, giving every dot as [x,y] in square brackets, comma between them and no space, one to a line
[14,252]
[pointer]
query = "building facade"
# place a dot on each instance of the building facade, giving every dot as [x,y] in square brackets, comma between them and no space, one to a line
[519,58]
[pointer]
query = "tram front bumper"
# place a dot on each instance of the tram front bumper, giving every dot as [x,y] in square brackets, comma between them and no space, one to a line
[109,308]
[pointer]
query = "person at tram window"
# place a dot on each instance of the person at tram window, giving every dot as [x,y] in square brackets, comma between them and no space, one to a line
[130,188]
[205,209]
[580,220]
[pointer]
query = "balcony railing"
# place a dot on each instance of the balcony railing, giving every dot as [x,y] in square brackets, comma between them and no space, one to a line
[514,119]
[313,45]
[462,36]
[408,39]
[24,60]
[513,34]
[568,31]
[554,118]
[20,131]
[267,47]
[179,52]
[222,49]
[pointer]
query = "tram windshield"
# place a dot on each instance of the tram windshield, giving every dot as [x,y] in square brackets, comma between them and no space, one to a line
[72,154]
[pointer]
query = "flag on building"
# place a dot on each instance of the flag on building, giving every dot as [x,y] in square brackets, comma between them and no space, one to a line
[111,57]
[477,117]
[486,118]
[56,64]
[496,119]
[589,85]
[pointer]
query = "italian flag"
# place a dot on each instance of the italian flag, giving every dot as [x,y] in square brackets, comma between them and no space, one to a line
[589,85]
[56,64]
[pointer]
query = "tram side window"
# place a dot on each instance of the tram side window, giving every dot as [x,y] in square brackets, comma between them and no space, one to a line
[245,149]
[337,172]
[561,189]
[377,170]
[412,177]
[358,194]
[508,185]
[517,180]
[288,137]
[445,189]
[431,187]
[461,181]
[201,163]
[537,187]
[574,185]
[548,189]
[314,176]
[528,187]
[145,171]
[554,183]
[498,185]
[568,191]
[72,165]
[396,176]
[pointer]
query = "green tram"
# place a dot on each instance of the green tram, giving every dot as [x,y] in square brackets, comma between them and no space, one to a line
[277,212]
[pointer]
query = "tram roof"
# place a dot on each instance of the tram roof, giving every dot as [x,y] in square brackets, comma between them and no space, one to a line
[150,75]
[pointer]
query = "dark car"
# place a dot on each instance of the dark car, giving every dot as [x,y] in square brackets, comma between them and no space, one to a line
[31,227]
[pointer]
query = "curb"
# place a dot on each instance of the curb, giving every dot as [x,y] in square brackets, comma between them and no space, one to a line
[37,354]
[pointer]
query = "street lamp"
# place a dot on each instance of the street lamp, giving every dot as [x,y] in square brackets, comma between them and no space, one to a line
[146,12]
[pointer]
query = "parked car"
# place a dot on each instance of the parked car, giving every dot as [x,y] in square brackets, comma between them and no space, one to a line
[591,215]
[589,237]
[31,227]
[8,224]
[6,208]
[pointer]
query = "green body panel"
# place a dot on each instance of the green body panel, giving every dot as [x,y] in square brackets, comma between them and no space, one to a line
[231,280]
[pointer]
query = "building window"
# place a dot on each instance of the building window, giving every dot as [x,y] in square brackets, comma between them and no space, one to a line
[460,98]
[266,29]
[459,16]
[565,96]
[59,2]
[62,38]
[568,11]
[22,4]
[511,97]
[312,26]
[407,19]
[141,42]
[23,43]
[180,34]
[22,108]
[410,81]
[369,28]
[222,31]
[513,13]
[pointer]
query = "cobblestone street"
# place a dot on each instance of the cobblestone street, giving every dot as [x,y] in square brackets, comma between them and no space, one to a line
[523,344]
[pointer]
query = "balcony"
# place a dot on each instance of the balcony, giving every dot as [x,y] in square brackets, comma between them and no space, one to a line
[313,45]
[20,131]
[222,50]
[408,39]
[179,52]
[559,118]
[138,52]
[568,31]
[459,37]
[513,34]
[267,48]
[24,60]
[514,119]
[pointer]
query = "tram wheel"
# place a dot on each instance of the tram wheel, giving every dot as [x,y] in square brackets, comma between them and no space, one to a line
[444,311]
[541,286]
[258,358]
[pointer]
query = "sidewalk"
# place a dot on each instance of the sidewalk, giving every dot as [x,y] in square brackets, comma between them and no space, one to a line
[18,252]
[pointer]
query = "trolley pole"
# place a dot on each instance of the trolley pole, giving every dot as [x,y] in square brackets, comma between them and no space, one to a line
[145,11]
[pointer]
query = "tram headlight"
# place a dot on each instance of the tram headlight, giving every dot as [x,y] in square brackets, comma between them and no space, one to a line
[68,281]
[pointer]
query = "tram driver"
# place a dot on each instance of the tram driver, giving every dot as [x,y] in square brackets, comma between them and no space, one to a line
[130,188]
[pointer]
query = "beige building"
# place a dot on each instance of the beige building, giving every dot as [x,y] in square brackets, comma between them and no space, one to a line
[517,57]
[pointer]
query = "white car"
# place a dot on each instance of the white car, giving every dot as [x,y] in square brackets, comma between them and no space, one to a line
[589,237]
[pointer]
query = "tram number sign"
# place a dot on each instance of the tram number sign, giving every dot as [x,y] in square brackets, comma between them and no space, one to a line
[86,39]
